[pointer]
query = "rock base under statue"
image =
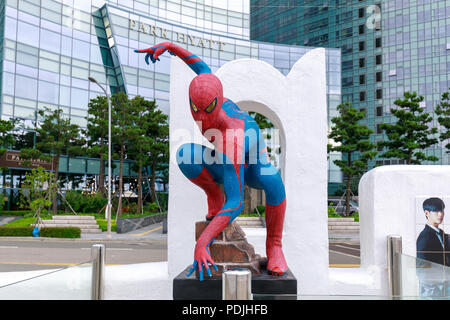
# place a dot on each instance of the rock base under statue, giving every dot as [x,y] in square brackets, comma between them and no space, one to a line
[231,250]
[191,288]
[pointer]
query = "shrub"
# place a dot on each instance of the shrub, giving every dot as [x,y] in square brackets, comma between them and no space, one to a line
[63,232]
[14,213]
[163,199]
[131,208]
[16,231]
[151,207]
[60,232]
[103,225]
[261,209]
[85,202]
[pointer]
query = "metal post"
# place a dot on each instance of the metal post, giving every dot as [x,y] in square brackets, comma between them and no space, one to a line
[237,285]
[394,249]
[98,271]
[108,232]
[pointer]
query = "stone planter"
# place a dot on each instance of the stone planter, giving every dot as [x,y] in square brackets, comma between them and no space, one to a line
[125,225]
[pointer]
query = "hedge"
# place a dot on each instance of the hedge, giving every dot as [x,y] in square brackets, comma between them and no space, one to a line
[57,232]
[16,231]
[60,232]
[14,212]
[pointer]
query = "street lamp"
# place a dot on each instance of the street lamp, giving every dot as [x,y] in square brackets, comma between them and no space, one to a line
[109,205]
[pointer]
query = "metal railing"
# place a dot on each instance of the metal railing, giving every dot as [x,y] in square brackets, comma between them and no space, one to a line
[394,250]
[237,285]
[84,281]
[98,271]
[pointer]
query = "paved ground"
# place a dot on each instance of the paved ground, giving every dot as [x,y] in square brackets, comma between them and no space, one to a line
[343,248]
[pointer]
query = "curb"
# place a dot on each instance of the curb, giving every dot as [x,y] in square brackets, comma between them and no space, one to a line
[75,239]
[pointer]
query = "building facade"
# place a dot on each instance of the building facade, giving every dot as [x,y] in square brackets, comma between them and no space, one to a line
[388,47]
[49,48]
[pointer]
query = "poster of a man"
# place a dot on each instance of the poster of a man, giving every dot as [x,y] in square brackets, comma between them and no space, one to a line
[433,243]
[433,255]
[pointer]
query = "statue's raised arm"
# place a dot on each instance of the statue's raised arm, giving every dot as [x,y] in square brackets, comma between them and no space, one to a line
[193,61]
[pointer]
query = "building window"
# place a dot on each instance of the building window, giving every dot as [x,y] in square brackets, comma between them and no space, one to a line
[362,79]
[363,110]
[378,76]
[362,45]
[380,149]
[378,59]
[361,12]
[379,93]
[347,48]
[361,29]
[347,97]
[379,130]
[362,96]
[347,65]
[362,62]
[347,81]
[378,43]
[379,111]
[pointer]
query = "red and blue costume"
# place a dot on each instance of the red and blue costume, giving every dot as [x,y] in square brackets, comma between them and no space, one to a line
[239,157]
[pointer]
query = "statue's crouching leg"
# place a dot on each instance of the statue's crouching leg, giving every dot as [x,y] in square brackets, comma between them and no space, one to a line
[276,263]
[190,159]
[266,177]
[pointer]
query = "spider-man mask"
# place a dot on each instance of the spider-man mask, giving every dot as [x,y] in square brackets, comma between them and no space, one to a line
[205,98]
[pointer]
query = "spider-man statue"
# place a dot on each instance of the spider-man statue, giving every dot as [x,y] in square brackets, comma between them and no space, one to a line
[240,157]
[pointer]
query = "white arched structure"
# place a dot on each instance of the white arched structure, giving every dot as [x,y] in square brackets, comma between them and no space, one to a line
[296,104]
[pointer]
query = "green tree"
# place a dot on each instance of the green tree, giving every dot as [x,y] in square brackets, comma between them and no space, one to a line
[443,112]
[352,140]
[97,135]
[158,129]
[124,129]
[141,142]
[56,136]
[262,121]
[6,135]
[411,134]
[37,191]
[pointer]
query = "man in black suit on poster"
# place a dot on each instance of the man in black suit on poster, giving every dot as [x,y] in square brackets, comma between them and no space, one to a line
[432,245]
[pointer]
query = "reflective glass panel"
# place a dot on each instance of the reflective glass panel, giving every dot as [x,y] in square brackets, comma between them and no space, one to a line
[50,40]
[26,87]
[72,283]
[28,34]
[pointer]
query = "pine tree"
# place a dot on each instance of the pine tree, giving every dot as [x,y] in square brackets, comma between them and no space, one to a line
[97,135]
[56,137]
[411,134]
[443,112]
[124,118]
[158,129]
[6,135]
[352,140]
[140,144]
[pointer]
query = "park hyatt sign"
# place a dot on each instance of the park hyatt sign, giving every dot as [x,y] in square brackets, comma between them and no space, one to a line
[11,159]
[175,36]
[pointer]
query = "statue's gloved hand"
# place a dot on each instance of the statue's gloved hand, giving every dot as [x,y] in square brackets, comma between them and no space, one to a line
[154,52]
[201,259]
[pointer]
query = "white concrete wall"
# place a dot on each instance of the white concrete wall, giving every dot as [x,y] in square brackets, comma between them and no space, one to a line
[296,104]
[388,201]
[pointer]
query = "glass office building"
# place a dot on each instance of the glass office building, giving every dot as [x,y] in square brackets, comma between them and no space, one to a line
[49,48]
[387,46]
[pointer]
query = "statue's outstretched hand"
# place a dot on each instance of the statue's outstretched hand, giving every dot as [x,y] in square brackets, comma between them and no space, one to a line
[201,259]
[154,52]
